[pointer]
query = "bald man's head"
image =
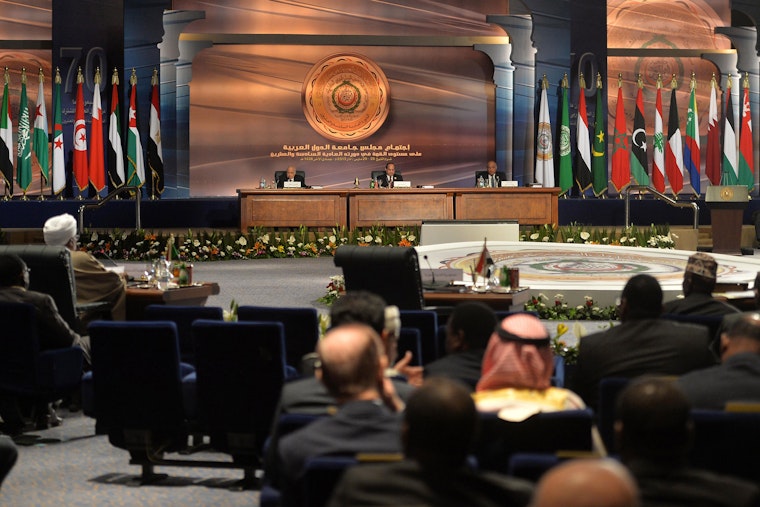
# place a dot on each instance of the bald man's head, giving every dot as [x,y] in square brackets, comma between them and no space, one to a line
[352,361]
[587,483]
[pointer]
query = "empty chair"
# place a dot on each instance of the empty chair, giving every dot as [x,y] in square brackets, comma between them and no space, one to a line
[426,321]
[410,340]
[726,443]
[25,370]
[321,476]
[240,372]
[183,317]
[301,328]
[609,388]
[137,389]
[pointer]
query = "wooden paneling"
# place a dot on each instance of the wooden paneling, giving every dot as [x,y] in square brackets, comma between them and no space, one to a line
[399,206]
[292,208]
[529,206]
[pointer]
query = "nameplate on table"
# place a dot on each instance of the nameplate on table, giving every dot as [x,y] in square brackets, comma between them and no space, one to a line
[402,184]
[291,184]
[509,183]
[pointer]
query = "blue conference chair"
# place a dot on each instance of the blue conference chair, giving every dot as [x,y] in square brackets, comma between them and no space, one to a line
[726,443]
[409,340]
[183,317]
[426,321]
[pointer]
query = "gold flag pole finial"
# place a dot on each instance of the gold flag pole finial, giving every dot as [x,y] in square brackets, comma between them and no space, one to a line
[23,75]
[674,82]
[5,75]
[713,81]
[544,83]
[745,83]
[133,77]
[564,81]
[581,81]
[693,81]
[154,78]
[115,77]
[659,81]
[639,81]
[728,81]
[80,77]
[599,84]
[41,76]
[97,75]
[620,80]
[57,79]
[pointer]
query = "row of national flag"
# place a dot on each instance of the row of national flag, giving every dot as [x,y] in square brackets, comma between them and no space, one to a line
[95,164]
[673,155]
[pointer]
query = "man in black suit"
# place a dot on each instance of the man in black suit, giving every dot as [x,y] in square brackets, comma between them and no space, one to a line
[738,377]
[387,179]
[699,279]
[290,175]
[492,178]
[468,330]
[653,430]
[439,423]
[642,344]
[352,369]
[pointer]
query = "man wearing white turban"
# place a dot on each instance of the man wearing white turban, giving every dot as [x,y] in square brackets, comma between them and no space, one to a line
[94,283]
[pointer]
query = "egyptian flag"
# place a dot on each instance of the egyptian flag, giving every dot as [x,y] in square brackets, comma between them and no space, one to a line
[115,148]
[712,158]
[746,156]
[97,157]
[639,142]
[691,156]
[583,159]
[155,153]
[485,260]
[81,171]
[6,140]
[674,148]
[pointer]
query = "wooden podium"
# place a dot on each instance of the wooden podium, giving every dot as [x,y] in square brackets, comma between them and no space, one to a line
[727,204]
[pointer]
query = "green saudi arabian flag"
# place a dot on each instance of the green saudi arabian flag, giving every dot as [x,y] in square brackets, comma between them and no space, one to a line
[24,157]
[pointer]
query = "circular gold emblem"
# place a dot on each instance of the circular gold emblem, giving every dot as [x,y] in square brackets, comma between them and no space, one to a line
[346,97]
[727,194]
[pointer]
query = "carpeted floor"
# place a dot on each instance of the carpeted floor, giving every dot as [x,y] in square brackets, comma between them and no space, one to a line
[69,465]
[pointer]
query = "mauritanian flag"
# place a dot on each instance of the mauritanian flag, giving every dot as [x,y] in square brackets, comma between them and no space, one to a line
[565,159]
[24,155]
[544,146]
[97,158]
[746,150]
[155,152]
[658,155]
[599,153]
[80,140]
[712,157]
[730,171]
[674,148]
[41,131]
[621,162]
[691,155]
[115,148]
[59,164]
[639,140]
[135,161]
[6,139]
[583,157]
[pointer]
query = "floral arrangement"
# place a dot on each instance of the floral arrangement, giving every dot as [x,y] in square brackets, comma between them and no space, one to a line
[335,288]
[560,310]
[231,315]
[654,236]
[561,348]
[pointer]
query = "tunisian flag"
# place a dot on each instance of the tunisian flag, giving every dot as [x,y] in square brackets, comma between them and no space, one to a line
[81,170]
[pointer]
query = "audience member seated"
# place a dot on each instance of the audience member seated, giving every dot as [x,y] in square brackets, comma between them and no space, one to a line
[654,432]
[730,318]
[291,175]
[587,483]
[468,330]
[8,456]
[54,333]
[737,378]
[491,177]
[698,285]
[352,368]
[642,343]
[387,179]
[437,431]
[517,371]
[94,283]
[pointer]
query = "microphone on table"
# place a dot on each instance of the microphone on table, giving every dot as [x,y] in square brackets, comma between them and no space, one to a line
[432,271]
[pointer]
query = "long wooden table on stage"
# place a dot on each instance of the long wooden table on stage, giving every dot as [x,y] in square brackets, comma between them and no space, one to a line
[399,206]
[194,295]
[497,301]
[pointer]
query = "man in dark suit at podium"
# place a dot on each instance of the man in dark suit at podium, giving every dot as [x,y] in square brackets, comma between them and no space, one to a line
[491,177]
[290,175]
[387,179]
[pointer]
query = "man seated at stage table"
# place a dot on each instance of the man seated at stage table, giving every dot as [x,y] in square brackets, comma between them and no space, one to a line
[654,432]
[439,425]
[517,370]
[491,177]
[699,279]
[352,366]
[642,344]
[290,175]
[53,333]
[468,330]
[387,179]
[94,283]
[737,378]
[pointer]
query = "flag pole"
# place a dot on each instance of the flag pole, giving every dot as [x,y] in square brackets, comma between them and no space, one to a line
[18,163]
[41,77]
